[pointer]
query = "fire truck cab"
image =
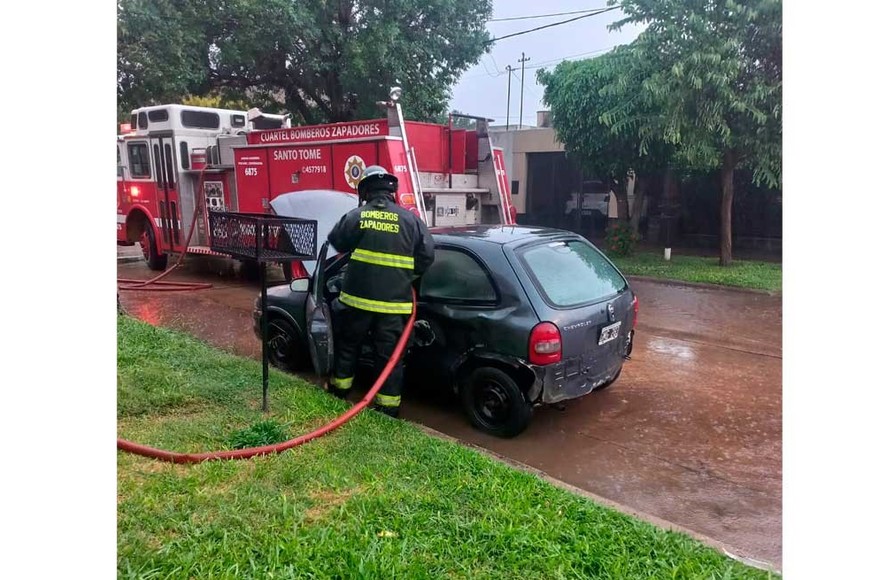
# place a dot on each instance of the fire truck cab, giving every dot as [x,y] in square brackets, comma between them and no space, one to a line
[176,162]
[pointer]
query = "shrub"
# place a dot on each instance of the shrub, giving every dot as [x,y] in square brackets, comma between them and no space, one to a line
[620,240]
[262,433]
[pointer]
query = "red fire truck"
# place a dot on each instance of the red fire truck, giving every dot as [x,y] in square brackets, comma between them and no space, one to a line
[173,159]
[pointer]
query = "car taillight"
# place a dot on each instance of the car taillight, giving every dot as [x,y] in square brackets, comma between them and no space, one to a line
[545,344]
[297,270]
[635,305]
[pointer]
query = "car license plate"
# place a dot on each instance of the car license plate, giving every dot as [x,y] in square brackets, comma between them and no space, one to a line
[609,333]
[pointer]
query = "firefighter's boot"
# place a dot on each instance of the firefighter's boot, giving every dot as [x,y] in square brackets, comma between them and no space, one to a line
[340,387]
[389,411]
[388,404]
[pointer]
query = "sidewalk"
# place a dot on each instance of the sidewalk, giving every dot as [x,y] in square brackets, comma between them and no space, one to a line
[127,254]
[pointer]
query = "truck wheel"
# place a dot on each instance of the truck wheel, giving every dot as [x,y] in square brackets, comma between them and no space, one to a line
[610,382]
[148,241]
[249,270]
[494,403]
[286,350]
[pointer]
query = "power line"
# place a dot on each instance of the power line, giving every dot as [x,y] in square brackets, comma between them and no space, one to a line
[527,89]
[542,64]
[553,24]
[544,15]
[489,74]
[558,60]
[495,64]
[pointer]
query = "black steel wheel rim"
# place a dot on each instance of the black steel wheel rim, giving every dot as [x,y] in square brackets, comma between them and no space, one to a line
[279,343]
[491,402]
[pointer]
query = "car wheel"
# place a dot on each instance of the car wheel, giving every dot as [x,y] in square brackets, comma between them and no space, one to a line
[610,382]
[148,241]
[286,351]
[494,402]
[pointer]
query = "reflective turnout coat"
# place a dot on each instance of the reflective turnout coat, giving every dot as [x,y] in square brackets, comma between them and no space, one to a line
[389,246]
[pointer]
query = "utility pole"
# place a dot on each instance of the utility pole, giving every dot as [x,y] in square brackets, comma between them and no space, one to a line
[507,122]
[522,85]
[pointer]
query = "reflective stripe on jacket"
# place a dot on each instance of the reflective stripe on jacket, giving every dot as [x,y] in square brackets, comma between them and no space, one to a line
[389,246]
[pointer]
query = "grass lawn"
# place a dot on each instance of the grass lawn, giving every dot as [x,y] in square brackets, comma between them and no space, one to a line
[377,499]
[744,274]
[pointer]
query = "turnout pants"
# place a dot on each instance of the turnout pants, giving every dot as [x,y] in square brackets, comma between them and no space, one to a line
[353,328]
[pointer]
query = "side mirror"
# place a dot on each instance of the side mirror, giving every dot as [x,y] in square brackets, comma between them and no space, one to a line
[300,285]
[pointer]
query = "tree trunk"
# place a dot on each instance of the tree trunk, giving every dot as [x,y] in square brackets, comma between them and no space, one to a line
[293,101]
[637,207]
[621,191]
[729,161]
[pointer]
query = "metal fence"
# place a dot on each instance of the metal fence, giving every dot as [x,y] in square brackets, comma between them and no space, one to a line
[262,238]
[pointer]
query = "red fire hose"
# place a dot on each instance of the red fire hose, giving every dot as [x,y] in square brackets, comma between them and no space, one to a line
[142,285]
[173,457]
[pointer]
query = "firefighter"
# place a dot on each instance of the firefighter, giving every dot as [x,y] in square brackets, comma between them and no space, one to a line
[389,246]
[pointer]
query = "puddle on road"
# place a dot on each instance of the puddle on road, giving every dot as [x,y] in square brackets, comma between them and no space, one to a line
[672,348]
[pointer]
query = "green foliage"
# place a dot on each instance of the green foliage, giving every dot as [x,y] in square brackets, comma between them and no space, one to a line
[463,122]
[620,240]
[378,498]
[261,433]
[713,68]
[218,100]
[742,273]
[701,87]
[321,61]
[585,97]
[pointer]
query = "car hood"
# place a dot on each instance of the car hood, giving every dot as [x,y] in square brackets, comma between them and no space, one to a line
[324,205]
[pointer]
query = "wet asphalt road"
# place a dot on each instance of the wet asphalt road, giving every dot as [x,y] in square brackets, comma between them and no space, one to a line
[691,432]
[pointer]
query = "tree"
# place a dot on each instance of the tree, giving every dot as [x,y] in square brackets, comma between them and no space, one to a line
[321,61]
[584,96]
[217,100]
[160,57]
[714,68]
[463,122]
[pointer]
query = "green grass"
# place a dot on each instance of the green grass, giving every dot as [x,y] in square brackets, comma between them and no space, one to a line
[377,499]
[743,274]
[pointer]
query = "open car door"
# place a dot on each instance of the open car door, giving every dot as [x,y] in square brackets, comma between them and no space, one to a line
[320,338]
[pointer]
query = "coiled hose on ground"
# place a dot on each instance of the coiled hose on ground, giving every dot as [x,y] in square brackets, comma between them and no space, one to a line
[159,286]
[173,457]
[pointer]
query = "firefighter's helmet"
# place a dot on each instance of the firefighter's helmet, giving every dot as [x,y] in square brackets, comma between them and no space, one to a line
[376,177]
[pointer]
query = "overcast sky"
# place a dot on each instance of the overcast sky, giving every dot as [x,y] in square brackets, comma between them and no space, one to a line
[482,90]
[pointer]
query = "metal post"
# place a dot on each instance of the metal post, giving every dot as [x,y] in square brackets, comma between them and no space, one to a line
[507,123]
[264,328]
[522,85]
[264,318]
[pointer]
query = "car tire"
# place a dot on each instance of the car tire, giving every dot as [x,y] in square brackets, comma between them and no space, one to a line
[494,403]
[286,351]
[610,382]
[148,241]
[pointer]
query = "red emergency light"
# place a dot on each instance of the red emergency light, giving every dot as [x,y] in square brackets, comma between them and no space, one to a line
[134,191]
[126,128]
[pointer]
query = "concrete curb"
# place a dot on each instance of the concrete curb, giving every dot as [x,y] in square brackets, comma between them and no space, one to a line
[725,549]
[706,286]
[130,259]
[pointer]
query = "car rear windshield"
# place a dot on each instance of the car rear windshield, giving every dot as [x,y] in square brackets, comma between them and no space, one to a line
[570,273]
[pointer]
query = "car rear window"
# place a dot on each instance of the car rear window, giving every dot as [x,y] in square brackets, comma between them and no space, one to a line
[570,273]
